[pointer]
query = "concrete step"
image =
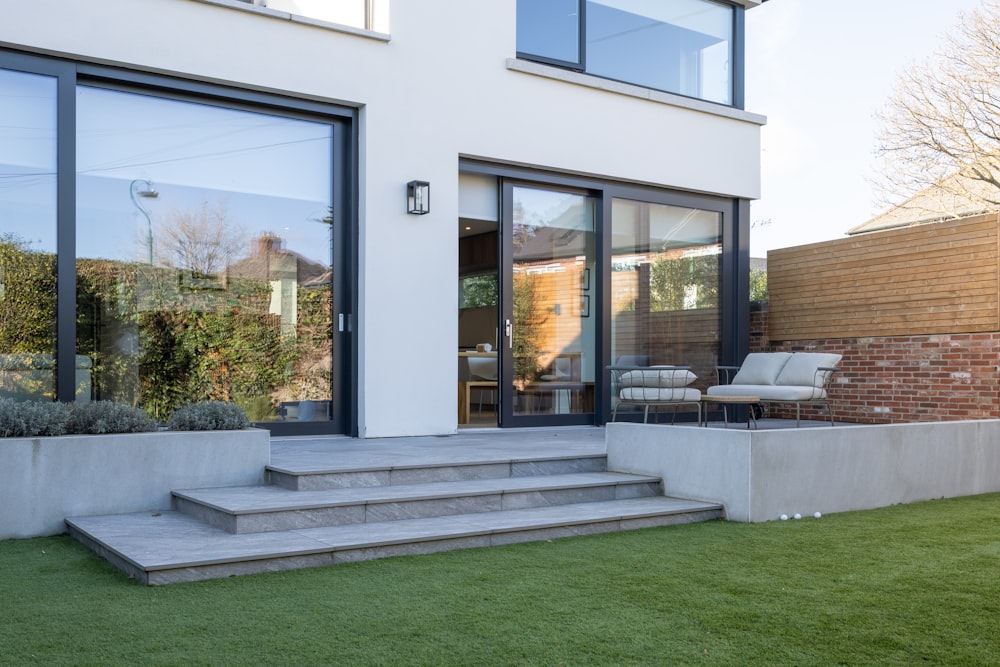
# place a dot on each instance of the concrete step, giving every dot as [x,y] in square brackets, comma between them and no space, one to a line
[258,509]
[169,547]
[312,476]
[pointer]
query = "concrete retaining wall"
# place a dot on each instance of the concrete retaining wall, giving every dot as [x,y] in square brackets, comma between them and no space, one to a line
[759,475]
[45,480]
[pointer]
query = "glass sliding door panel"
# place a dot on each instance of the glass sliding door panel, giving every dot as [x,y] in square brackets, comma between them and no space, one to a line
[204,255]
[28,238]
[553,302]
[665,277]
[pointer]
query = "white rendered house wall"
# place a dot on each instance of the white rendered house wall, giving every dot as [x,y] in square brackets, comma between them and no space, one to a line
[438,89]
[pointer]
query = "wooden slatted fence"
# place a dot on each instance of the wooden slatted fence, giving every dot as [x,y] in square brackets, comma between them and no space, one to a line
[937,278]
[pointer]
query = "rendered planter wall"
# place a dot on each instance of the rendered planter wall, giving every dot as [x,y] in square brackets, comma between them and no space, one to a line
[45,480]
[759,475]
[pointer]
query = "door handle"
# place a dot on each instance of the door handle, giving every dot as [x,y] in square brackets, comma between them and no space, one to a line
[508,330]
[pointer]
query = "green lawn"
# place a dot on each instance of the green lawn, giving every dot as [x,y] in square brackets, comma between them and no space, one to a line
[905,585]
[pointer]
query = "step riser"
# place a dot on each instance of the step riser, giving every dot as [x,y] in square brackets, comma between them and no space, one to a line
[419,475]
[215,571]
[409,509]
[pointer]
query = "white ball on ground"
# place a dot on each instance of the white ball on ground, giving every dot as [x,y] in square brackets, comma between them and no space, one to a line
[783,517]
[797,516]
[817,515]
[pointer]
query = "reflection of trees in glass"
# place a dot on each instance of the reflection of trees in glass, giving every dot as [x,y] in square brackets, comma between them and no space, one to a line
[528,321]
[156,344]
[758,285]
[203,241]
[157,340]
[684,282]
[209,356]
[27,298]
[312,363]
[27,319]
[523,229]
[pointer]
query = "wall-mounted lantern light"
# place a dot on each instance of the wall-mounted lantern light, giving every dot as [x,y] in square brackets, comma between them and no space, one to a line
[418,197]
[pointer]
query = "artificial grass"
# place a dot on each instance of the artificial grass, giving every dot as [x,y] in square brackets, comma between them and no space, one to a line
[905,585]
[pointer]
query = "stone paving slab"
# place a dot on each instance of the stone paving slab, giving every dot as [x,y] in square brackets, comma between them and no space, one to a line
[164,540]
[273,498]
[327,454]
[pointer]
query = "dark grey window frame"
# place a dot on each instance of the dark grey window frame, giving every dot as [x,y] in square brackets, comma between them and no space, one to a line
[739,46]
[344,194]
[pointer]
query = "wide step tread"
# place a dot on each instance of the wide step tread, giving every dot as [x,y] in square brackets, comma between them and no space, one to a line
[185,549]
[242,500]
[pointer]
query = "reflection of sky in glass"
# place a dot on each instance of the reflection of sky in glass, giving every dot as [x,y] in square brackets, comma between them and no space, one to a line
[682,46]
[269,174]
[550,28]
[28,158]
[550,208]
[646,227]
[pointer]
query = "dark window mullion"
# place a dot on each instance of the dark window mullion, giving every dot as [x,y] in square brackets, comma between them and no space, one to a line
[66,239]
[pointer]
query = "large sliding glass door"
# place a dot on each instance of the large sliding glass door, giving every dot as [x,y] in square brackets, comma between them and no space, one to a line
[594,274]
[162,243]
[204,256]
[549,306]
[666,288]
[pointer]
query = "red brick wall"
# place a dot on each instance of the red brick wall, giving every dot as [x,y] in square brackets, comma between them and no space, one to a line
[896,379]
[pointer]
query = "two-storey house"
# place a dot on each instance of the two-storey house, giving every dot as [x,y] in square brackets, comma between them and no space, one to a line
[371,217]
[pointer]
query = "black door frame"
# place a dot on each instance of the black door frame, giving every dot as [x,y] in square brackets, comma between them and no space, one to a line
[735,269]
[506,415]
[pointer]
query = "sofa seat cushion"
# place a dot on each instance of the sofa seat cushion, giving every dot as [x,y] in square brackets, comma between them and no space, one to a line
[768,392]
[659,394]
[801,369]
[762,368]
[658,376]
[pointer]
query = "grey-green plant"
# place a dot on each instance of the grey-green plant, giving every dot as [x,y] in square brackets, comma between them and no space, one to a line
[29,419]
[97,417]
[209,416]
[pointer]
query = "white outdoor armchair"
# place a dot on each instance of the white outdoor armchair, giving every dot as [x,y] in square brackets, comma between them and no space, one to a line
[653,386]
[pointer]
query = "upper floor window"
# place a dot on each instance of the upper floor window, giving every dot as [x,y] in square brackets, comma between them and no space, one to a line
[354,13]
[679,46]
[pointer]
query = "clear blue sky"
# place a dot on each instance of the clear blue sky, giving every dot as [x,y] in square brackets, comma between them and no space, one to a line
[819,71]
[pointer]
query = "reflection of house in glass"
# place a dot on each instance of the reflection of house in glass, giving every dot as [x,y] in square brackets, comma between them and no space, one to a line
[300,300]
[286,272]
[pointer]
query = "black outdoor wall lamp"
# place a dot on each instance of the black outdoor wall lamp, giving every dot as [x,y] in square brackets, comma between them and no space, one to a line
[418,197]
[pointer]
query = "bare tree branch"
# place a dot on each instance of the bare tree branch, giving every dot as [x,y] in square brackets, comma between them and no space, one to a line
[203,240]
[940,139]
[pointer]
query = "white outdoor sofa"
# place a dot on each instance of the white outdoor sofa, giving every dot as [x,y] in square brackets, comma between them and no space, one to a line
[654,386]
[799,378]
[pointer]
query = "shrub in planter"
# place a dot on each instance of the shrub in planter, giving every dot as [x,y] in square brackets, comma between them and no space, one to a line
[29,419]
[209,416]
[108,417]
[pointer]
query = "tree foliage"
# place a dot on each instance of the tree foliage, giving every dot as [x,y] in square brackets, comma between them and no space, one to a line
[27,298]
[676,283]
[758,285]
[941,127]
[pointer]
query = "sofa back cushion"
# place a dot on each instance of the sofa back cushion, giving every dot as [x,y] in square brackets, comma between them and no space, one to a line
[658,376]
[761,367]
[800,371]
